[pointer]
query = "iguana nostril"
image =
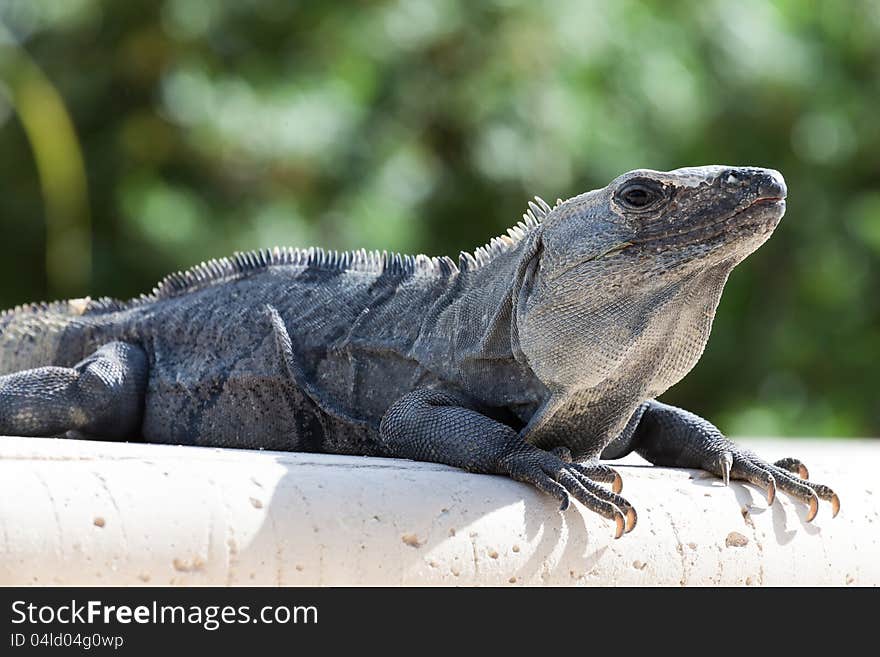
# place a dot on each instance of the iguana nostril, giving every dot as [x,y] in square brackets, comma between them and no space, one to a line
[733,179]
[767,183]
[771,184]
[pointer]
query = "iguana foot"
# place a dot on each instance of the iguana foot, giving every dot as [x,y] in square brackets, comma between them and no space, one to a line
[558,476]
[666,435]
[742,464]
[445,427]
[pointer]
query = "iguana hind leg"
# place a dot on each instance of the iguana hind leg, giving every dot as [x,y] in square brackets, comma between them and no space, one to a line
[666,435]
[439,426]
[102,395]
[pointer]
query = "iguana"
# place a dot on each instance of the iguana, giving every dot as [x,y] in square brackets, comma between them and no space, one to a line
[533,357]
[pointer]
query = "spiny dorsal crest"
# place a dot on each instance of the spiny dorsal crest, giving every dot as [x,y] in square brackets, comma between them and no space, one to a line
[218,270]
[532,218]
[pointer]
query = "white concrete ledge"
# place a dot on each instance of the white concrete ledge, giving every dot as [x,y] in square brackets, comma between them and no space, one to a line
[87,513]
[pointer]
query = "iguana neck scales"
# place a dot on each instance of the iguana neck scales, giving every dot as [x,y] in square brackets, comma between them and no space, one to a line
[532,356]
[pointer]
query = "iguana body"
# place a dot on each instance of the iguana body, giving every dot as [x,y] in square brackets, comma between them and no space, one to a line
[546,346]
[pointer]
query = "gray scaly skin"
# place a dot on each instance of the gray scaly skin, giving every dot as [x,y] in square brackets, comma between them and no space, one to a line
[533,357]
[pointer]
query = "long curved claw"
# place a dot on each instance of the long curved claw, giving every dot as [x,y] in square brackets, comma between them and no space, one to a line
[771,491]
[835,505]
[725,462]
[617,484]
[620,524]
[814,508]
[631,519]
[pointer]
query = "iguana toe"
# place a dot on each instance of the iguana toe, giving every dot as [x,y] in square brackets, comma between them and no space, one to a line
[795,466]
[593,470]
[600,472]
[542,482]
[745,469]
[598,499]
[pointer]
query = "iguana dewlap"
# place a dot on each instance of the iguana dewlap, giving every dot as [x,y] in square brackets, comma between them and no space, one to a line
[533,357]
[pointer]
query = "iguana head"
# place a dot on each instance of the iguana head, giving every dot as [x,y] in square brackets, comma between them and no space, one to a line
[634,271]
[651,221]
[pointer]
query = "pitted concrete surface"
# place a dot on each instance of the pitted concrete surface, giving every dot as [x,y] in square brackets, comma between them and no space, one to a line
[97,513]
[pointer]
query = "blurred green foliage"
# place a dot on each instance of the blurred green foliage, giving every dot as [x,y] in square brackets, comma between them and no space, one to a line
[208,126]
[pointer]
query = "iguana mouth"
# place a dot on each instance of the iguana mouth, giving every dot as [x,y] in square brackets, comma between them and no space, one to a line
[760,213]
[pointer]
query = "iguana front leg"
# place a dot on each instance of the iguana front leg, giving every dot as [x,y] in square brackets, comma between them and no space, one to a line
[670,436]
[438,426]
[102,395]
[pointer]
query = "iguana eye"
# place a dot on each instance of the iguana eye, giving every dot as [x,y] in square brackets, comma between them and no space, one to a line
[639,195]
